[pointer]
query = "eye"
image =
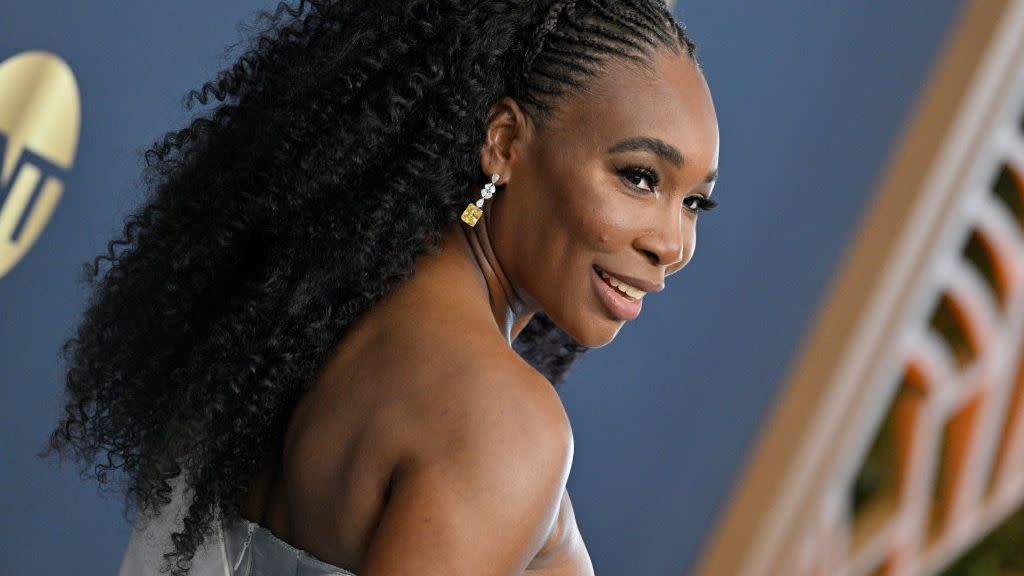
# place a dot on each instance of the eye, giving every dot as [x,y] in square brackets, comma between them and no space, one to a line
[635,175]
[699,203]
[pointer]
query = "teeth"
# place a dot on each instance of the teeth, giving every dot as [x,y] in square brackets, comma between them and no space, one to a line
[630,291]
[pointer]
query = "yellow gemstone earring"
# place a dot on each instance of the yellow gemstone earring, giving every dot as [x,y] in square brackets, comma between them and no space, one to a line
[473,211]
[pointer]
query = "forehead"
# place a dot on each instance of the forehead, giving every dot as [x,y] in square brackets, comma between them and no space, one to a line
[670,101]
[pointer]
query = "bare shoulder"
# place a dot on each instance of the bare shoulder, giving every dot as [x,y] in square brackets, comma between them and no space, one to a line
[498,408]
[496,395]
[479,485]
[477,392]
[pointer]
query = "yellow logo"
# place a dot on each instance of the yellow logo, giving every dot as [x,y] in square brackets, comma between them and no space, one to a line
[40,115]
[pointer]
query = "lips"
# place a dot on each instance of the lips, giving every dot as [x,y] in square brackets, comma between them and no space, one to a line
[619,305]
[630,292]
[628,289]
[639,283]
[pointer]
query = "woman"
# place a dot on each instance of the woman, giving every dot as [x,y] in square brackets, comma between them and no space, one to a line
[303,360]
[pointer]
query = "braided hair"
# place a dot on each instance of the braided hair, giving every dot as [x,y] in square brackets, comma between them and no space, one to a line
[337,148]
[574,39]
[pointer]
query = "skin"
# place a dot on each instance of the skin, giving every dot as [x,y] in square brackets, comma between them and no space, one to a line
[427,445]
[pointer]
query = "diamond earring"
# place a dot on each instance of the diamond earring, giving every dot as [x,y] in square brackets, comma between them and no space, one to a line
[473,211]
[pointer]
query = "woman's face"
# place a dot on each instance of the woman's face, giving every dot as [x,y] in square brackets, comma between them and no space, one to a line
[609,184]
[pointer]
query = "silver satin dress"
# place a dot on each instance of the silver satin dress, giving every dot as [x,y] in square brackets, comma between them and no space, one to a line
[238,547]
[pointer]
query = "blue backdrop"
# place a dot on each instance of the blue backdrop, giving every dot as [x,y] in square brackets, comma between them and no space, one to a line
[811,97]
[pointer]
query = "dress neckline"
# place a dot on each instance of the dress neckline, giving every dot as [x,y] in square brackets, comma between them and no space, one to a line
[251,529]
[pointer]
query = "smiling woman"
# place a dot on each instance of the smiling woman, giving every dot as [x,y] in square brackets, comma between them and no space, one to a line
[304,361]
[610,186]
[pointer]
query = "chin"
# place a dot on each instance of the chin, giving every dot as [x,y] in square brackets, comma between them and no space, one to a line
[595,334]
[593,330]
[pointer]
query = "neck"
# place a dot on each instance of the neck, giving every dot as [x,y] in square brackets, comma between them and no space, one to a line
[510,312]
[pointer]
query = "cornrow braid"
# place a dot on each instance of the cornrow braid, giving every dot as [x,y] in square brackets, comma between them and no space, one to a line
[680,32]
[550,20]
[574,38]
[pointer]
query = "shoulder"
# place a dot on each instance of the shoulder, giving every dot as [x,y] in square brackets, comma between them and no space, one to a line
[479,484]
[493,401]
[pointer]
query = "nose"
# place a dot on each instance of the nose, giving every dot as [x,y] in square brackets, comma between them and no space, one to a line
[669,242]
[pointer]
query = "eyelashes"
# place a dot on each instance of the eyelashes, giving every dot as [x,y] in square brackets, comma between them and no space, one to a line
[694,203]
[699,203]
[644,173]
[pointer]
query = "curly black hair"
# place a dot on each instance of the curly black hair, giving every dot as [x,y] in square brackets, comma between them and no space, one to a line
[342,142]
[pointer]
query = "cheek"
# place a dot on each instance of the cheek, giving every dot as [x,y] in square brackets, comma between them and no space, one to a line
[598,219]
[587,210]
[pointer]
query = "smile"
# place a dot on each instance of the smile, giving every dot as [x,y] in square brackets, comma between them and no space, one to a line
[621,299]
[631,291]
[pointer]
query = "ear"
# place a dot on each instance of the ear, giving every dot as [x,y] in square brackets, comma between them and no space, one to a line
[509,131]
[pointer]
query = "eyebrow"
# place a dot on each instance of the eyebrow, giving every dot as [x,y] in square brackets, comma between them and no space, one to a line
[660,148]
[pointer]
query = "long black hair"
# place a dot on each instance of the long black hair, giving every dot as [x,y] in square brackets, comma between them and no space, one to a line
[342,142]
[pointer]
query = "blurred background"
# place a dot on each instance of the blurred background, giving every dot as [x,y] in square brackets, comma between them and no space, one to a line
[817,105]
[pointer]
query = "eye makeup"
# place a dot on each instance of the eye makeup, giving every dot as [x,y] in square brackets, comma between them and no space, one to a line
[694,203]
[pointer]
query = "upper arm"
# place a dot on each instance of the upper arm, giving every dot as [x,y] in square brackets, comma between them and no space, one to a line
[480,488]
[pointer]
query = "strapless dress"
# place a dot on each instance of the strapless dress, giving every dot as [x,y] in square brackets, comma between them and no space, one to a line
[238,547]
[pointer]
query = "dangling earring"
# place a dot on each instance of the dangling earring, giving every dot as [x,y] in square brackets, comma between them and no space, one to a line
[472,212]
